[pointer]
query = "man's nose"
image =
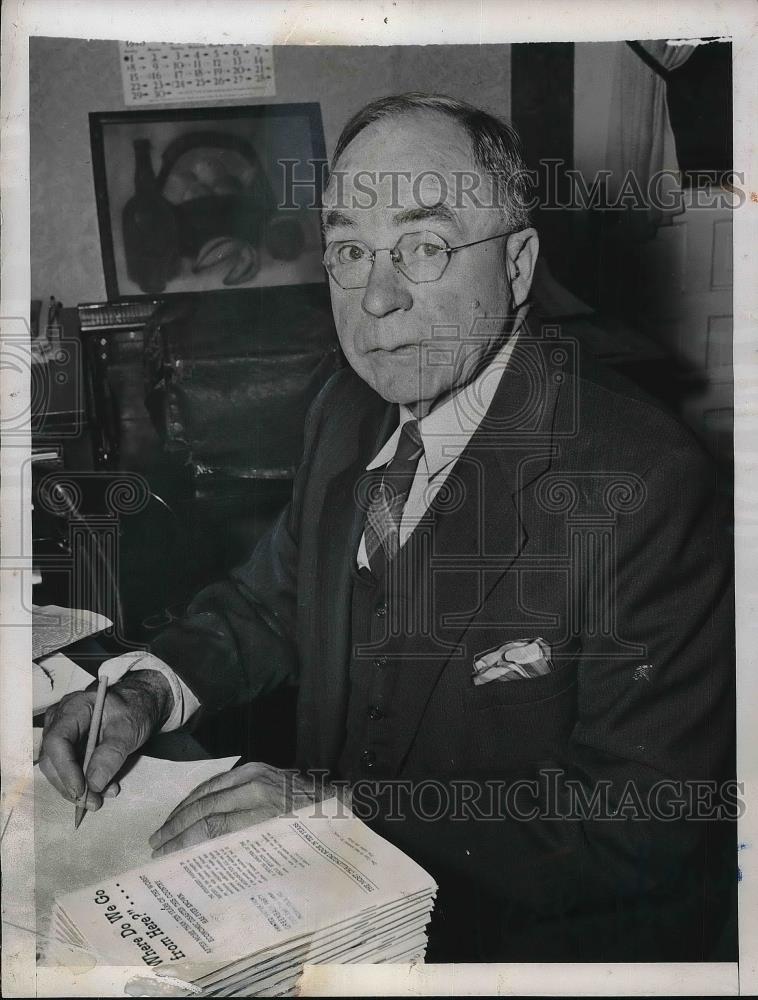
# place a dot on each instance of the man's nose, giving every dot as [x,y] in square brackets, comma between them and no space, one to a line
[387,290]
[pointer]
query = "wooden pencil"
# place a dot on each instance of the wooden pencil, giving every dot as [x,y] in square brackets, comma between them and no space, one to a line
[92,738]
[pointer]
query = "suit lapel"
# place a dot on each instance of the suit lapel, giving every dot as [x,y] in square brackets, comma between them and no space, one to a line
[473,546]
[512,449]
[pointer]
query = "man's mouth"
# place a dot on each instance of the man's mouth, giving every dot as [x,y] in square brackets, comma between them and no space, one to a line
[401,349]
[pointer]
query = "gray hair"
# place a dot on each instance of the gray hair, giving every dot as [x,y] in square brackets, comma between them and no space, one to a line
[495,144]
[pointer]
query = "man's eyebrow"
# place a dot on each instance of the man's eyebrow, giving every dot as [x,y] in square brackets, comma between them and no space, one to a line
[333,218]
[439,211]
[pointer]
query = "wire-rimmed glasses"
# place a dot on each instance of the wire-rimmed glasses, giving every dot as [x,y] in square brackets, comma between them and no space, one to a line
[419,257]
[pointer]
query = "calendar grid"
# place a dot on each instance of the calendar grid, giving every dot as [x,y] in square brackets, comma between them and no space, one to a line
[168,73]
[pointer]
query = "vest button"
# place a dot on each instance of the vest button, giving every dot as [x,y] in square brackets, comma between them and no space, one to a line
[368,758]
[375,713]
[381,610]
[380,661]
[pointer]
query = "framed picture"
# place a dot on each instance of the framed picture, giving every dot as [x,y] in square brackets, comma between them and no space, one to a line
[208,199]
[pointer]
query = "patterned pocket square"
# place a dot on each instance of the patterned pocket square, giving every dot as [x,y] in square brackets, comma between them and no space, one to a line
[518,660]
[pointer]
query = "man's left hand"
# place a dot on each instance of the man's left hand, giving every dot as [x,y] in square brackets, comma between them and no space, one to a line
[231,801]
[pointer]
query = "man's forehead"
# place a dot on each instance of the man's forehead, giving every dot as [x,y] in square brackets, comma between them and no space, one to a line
[431,215]
[410,198]
[406,162]
[409,139]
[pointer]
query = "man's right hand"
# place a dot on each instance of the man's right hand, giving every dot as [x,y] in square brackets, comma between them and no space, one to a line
[135,708]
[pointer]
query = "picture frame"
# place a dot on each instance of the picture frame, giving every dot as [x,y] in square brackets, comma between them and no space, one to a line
[208,200]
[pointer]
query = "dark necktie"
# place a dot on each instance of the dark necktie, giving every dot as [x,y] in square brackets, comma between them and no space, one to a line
[382,532]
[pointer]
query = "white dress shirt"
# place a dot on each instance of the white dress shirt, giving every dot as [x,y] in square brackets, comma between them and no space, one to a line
[445,432]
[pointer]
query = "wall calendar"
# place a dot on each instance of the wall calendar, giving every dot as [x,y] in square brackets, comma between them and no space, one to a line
[171,73]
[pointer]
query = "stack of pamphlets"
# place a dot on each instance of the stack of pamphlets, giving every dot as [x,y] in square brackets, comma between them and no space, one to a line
[240,915]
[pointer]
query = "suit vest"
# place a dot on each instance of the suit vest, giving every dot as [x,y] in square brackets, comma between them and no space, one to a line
[395,625]
[386,633]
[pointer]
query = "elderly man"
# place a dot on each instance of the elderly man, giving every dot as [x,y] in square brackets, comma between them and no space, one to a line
[499,585]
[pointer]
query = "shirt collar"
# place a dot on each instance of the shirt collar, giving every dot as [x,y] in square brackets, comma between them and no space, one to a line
[447,429]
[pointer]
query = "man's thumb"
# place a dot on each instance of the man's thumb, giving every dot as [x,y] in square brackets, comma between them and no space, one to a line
[106,762]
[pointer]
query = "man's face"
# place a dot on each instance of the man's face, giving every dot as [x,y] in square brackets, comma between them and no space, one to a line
[415,343]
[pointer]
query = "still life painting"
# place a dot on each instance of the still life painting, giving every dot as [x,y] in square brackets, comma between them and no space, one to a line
[208,199]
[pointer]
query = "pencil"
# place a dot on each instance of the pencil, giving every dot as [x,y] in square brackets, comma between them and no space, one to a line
[92,737]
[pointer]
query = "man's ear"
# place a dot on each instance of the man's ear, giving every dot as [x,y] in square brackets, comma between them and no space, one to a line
[521,250]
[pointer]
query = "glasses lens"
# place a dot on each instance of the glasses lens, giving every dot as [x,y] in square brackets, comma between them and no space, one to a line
[421,256]
[349,263]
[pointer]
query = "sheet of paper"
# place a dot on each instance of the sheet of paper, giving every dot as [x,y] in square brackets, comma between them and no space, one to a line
[53,677]
[114,838]
[54,627]
[37,734]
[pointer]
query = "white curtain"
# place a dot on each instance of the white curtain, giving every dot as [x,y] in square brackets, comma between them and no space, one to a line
[640,138]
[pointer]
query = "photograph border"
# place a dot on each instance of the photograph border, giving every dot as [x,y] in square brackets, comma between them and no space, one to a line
[355,23]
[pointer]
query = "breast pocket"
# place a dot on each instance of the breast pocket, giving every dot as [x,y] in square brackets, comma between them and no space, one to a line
[522,691]
[512,722]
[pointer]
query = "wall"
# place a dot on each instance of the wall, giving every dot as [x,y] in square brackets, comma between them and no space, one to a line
[70,77]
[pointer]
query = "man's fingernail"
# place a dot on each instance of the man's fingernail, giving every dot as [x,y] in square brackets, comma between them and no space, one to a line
[96,782]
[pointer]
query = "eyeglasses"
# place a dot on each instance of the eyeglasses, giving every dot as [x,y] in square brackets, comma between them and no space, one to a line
[420,257]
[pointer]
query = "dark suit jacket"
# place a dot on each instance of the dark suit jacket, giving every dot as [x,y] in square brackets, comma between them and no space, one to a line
[583,513]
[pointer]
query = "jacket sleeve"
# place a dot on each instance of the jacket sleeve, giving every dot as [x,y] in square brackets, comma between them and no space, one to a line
[237,639]
[643,737]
